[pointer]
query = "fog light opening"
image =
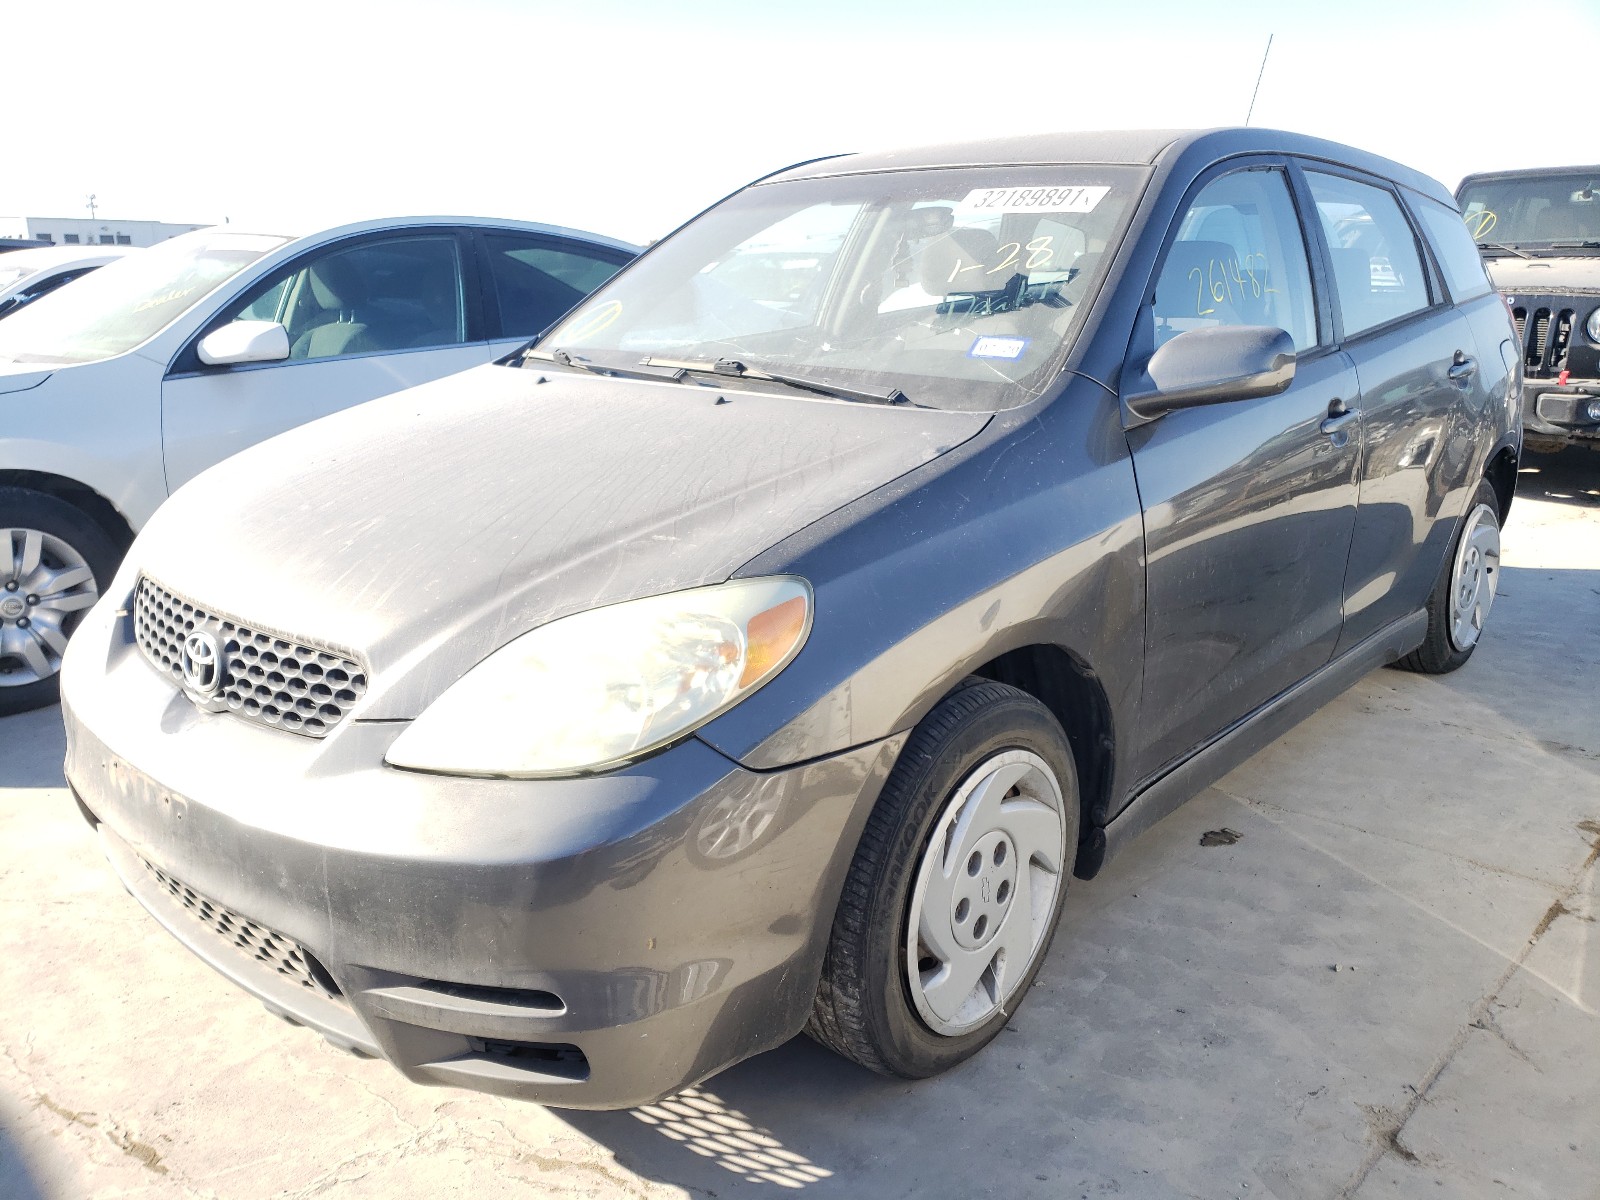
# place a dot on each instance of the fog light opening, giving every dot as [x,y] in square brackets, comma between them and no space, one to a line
[545,1058]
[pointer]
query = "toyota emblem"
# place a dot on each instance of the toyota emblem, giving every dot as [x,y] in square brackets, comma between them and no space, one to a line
[202,663]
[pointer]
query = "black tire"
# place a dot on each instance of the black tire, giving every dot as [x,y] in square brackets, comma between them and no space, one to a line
[863,1008]
[24,508]
[1438,654]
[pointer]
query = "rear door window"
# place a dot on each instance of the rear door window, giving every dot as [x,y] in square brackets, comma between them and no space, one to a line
[537,279]
[1377,269]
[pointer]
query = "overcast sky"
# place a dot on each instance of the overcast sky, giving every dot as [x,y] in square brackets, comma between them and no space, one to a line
[627,118]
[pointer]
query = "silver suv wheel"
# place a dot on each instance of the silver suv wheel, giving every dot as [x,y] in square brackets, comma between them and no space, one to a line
[1474,577]
[985,895]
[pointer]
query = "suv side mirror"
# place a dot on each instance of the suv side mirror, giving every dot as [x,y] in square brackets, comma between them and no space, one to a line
[1215,365]
[244,342]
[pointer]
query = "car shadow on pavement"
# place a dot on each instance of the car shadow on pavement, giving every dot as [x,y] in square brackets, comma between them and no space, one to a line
[723,1137]
[1571,477]
[32,748]
[16,1178]
[1553,610]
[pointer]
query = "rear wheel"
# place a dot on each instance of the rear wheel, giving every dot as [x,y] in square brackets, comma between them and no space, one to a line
[1459,607]
[953,897]
[54,561]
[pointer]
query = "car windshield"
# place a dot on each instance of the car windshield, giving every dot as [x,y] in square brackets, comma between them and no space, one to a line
[129,301]
[960,288]
[1532,211]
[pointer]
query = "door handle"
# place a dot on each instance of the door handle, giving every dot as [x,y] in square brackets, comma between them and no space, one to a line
[1463,368]
[1339,415]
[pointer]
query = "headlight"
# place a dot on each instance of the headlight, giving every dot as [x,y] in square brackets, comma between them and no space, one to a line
[593,690]
[1592,326]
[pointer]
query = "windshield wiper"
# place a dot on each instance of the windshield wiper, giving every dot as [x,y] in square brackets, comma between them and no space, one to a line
[1503,246]
[1575,244]
[738,370]
[642,371]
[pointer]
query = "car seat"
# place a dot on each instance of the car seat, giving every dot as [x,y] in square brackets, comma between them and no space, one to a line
[339,291]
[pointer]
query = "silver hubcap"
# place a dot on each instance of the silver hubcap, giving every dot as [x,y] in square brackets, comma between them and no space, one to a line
[44,583]
[1474,577]
[985,892]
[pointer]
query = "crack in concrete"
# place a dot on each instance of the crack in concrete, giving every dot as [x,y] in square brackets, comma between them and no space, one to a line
[368,1159]
[1276,815]
[1591,827]
[1490,1023]
[446,1132]
[1264,806]
[66,1114]
[143,1152]
[119,1135]
[1481,1016]
[1385,1124]
[554,1163]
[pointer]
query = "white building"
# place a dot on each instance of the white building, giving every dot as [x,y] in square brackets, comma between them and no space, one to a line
[91,231]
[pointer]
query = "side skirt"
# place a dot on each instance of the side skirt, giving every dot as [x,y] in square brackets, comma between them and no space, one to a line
[1249,734]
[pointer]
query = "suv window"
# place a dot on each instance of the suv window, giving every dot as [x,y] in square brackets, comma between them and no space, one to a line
[1453,246]
[1239,259]
[397,294]
[1377,269]
[537,279]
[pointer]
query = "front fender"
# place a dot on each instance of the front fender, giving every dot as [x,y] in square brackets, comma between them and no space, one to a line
[1030,534]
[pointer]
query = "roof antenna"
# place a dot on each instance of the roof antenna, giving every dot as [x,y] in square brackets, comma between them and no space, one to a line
[1259,74]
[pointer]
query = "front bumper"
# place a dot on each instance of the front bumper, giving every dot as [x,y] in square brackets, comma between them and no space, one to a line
[1551,410]
[591,943]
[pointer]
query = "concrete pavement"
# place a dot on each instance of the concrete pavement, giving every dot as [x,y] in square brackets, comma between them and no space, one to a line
[1387,985]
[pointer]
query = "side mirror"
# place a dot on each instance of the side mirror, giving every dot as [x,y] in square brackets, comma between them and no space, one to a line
[244,342]
[1215,365]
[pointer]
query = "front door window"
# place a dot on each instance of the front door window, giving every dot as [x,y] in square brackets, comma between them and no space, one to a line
[372,298]
[1239,259]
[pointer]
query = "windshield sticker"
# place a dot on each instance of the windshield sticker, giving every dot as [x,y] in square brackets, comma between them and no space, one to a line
[1008,348]
[1035,199]
[1479,223]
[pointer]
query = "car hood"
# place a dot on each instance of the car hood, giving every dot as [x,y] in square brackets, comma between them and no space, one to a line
[424,530]
[1546,276]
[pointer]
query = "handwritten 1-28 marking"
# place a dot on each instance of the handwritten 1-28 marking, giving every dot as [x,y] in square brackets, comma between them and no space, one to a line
[1040,255]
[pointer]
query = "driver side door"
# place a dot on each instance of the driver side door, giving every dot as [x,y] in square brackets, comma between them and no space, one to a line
[364,318]
[1249,505]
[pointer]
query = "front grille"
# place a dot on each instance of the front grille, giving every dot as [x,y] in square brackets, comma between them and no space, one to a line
[273,680]
[282,955]
[1544,326]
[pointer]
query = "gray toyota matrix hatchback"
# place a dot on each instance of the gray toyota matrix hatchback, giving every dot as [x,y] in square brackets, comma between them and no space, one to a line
[767,646]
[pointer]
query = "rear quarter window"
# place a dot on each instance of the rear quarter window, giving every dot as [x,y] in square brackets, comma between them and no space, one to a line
[1453,247]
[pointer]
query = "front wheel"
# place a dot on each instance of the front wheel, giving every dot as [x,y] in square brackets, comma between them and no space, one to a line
[1459,607]
[54,561]
[952,899]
